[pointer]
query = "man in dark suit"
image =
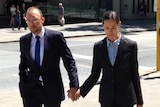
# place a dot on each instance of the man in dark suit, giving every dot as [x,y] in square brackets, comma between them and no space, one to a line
[39,71]
[116,57]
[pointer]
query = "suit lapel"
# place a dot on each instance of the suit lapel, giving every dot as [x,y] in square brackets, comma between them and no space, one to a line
[28,46]
[105,51]
[120,50]
[45,47]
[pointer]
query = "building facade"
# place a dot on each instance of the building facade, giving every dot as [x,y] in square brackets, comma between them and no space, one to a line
[128,9]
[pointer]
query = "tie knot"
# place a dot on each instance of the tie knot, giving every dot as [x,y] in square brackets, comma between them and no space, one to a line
[37,37]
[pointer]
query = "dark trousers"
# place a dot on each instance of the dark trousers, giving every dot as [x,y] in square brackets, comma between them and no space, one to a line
[30,102]
[37,99]
[114,105]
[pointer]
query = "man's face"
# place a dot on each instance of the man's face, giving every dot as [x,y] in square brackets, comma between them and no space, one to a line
[34,21]
[111,29]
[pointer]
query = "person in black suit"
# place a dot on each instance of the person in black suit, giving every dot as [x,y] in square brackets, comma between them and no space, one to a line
[116,58]
[40,77]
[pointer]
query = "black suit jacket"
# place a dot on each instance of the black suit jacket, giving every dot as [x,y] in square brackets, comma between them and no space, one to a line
[120,83]
[55,47]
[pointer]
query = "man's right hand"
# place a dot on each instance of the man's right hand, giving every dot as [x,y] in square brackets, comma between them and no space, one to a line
[74,94]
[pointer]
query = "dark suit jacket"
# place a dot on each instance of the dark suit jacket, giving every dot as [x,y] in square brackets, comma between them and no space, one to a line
[120,83]
[55,47]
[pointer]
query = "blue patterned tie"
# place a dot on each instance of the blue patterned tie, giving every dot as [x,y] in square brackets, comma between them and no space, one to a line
[37,51]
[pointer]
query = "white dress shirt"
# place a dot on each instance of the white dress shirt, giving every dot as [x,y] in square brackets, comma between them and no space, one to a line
[33,43]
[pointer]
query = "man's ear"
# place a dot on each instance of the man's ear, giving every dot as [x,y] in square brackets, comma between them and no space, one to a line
[119,24]
[43,19]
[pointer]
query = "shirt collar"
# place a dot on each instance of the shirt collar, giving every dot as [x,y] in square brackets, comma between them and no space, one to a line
[116,42]
[41,34]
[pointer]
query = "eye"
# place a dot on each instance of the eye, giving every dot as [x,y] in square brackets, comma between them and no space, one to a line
[106,28]
[114,27]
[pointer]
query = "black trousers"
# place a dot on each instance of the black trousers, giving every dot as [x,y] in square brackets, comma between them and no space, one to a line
[37,99]
[114,105]
[31,102]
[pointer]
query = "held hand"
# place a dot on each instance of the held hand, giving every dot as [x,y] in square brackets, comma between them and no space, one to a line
[73,94]
[139,105]
[77,94]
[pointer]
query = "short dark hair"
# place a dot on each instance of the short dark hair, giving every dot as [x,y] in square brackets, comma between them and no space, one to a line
[110,14]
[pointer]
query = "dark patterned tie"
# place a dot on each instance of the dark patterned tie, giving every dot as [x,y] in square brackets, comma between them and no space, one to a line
[37,51]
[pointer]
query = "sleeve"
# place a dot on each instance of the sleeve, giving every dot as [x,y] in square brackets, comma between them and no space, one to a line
[22,65]
[135,74]
[69,62]
[95,74]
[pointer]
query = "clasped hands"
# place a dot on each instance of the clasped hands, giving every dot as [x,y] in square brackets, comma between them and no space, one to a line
[74,94]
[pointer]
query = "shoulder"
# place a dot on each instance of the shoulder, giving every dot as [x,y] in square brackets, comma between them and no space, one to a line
[25,40]
[53,33]
[100,44]
[128,42]
[25,37]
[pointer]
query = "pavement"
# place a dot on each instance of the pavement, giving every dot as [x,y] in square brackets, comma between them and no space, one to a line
[81,29]
[150,78]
